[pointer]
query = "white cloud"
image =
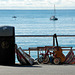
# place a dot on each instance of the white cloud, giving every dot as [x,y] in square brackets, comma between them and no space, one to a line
[36,4]
[72,1]
[54,1]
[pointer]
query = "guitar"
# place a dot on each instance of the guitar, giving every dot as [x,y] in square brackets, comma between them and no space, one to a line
[58,51]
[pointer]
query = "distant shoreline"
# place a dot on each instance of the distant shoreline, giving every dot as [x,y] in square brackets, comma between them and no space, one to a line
[34,9]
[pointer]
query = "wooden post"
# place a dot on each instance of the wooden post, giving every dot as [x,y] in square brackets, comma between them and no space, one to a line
[45,50]
[29,51]
[53,40]
[71,48]
[38,54]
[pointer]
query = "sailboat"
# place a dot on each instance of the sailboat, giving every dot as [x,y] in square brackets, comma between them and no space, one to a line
[53,17]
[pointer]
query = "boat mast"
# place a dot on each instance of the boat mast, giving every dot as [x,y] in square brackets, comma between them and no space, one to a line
[54,10]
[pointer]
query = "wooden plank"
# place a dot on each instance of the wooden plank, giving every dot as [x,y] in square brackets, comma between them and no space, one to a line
[66,47]
[44,50]
[55,46]
[32,48]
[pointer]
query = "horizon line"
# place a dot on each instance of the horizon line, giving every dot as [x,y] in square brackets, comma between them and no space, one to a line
[40,9]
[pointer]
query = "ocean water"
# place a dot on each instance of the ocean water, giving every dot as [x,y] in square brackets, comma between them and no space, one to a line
[37,22]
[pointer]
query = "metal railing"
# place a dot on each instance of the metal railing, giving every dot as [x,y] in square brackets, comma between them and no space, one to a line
[44,35]
[35,49]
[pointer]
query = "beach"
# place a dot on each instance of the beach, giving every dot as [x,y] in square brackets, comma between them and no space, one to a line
[44,69]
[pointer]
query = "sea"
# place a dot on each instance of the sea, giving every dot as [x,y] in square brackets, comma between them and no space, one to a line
[37,22]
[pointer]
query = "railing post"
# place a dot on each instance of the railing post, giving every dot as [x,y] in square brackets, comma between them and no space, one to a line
[71,48]
[53,41]
[29,51]
[45,50]
[38,54]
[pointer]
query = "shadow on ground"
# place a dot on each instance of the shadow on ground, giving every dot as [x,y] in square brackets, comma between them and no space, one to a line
[19,65]
[37,65]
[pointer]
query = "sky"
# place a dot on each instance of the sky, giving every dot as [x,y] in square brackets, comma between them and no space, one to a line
[37,4]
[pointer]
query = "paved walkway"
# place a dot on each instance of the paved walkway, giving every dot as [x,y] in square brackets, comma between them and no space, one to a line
[38,70]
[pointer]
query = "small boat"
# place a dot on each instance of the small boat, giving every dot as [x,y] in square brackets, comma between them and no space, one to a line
[14,17]
[53,17]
